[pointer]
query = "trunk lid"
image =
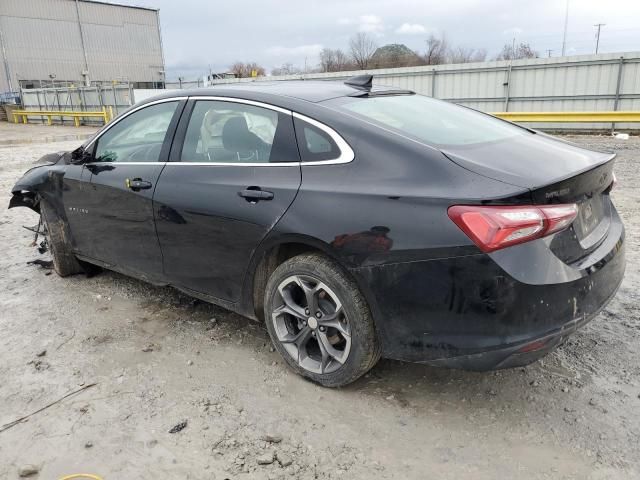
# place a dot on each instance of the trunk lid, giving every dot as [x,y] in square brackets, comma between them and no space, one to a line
[555,172]
[529,160]
[590,191]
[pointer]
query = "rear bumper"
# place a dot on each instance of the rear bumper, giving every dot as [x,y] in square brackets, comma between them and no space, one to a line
[471,312]
[518,355]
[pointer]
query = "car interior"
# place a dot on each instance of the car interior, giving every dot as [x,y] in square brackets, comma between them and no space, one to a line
[229,134]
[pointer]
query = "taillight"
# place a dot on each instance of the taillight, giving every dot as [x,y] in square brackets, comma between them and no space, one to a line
[494,227]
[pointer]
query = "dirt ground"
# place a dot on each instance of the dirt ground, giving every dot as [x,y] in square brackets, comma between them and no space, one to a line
[160,358]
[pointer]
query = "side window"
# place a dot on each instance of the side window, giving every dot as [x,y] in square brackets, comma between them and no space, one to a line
[315,144]
[229,132]
[137,137]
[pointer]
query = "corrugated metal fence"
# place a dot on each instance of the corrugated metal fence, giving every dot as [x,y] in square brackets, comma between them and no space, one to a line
[605,82]
[78,99]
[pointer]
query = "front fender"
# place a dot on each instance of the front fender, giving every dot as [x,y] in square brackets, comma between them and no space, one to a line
[35,183]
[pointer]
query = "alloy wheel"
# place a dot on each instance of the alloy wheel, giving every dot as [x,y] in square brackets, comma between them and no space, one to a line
[311,324]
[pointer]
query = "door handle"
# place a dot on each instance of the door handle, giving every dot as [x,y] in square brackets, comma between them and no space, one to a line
[136,184]
[255,194]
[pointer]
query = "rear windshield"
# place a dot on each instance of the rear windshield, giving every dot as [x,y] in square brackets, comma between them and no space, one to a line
[430,121]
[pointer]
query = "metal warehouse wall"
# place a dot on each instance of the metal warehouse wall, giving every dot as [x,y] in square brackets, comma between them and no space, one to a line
[42,37]
[604,82]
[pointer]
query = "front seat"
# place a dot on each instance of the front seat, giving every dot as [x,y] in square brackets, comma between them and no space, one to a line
[240,141]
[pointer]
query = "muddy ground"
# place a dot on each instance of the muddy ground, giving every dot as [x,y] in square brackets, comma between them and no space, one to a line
[160,358]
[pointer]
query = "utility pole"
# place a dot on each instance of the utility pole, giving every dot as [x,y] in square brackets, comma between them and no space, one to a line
[599,26]
[564,35]
[85,73]
[549,53]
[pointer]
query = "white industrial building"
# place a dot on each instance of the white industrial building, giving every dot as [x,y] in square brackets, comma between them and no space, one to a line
[78,42]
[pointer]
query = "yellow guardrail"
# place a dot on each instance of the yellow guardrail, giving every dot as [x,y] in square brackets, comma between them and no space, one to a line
[569,117]
[105,114]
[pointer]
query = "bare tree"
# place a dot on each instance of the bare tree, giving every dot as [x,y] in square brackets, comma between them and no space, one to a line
[515,52]
[436,52]
[342,61]
[362,47]
[244,70]
[334,61]
[466,55]
[480,55]
[328,61]
[286,69]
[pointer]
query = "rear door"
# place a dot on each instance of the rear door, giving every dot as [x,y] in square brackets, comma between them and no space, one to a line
[234,172]
[126,162]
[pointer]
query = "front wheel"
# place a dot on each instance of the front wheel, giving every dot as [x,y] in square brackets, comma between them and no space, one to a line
[65,262]
[319,321]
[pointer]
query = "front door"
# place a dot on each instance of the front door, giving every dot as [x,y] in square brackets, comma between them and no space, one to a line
[74,196]
[236,172]
[126,163]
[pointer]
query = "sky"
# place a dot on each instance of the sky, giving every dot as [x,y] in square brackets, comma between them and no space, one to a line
[199,35]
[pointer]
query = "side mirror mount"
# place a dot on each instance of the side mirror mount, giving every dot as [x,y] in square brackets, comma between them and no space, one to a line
[79,156]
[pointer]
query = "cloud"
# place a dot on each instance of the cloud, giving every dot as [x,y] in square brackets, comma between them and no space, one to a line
[299,51]
[411,29]
[366,23]
[370,24]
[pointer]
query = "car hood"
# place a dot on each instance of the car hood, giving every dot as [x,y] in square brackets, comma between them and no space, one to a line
[528,160]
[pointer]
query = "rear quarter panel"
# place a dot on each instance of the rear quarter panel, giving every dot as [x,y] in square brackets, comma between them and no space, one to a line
[386,207]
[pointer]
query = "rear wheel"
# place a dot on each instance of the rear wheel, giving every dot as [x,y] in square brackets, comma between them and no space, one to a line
[64,261]
[319,321]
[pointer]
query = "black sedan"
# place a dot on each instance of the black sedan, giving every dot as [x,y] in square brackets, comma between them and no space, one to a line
[355,221]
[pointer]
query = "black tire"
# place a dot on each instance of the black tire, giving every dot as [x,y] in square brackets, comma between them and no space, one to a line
[364,348]
[65,262]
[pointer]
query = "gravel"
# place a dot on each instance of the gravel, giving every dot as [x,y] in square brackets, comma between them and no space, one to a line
[572,415]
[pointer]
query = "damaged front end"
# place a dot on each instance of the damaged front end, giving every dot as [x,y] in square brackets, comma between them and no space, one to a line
[25,191]
[43,180]
[24,198]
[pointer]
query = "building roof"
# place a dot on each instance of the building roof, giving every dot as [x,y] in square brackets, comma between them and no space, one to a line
[116,4]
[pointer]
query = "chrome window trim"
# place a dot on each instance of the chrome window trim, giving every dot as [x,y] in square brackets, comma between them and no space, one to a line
[346,152]
[218,164]
[243,101]
[126,163]
[237,164]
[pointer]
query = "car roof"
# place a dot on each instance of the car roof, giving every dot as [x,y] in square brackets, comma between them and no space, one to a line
[308,90]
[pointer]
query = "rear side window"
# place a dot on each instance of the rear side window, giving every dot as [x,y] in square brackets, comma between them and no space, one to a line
[229,132]
[315,144]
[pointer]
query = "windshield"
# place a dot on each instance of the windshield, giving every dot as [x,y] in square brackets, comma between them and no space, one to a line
[430,121]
